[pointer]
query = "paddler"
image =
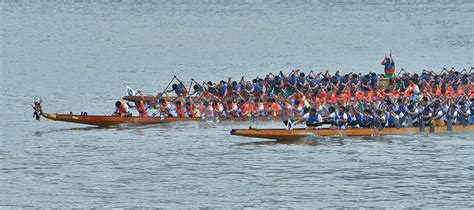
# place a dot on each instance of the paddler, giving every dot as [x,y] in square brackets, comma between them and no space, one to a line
[340,118]
[167,109]
[312,119]
[141,106]
[438,115]
[413,115]
[426,117]
[232,109]
[366,120]
[122,109]
[199,89]
[235,89]
[222,89]
[179,89]
[389,66]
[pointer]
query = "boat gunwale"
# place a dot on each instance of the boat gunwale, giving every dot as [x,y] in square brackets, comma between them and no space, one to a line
[283,134]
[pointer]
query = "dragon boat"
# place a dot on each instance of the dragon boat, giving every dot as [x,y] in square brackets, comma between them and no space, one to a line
[105,121]
[283,134]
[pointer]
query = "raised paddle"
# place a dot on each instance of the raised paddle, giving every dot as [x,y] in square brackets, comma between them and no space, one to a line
[182,85]
[160,95]
[164,91]
[190,86]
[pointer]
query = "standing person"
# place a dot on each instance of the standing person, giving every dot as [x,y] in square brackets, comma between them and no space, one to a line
[389,66]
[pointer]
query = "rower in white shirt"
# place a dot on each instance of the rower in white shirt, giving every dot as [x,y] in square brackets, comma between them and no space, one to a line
[312,119]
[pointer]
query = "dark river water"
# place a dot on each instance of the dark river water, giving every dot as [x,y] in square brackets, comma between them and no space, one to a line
[79,55]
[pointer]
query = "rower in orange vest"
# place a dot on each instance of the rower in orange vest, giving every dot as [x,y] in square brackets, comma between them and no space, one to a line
[274,109]
[122,109]
[142,108]
[179,109]
[207,110]
[360,96]
[232,109]
[460,91]
[334,98]
[246,109]
[352,98]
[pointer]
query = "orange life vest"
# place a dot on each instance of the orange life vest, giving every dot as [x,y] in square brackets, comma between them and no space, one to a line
[368,96]
[344,98]
[460,91]
[164,108]
[191,111]
[201,108]
[275,109]
[324,97]
[390,70]
[180,110]
[142,109]
[360,96]
[334,99]
[246,109]
[122,108]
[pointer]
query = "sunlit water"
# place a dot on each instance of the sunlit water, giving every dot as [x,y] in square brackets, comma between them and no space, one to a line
[79,55]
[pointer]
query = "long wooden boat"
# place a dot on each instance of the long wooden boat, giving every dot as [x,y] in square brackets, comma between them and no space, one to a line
[104,121]
[283,134]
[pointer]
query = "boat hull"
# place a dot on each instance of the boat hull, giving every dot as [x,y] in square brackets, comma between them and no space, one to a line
[282,134]
[104,121]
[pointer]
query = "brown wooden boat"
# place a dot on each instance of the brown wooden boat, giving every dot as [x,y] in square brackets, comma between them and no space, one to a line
[103,120]
[282,134]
